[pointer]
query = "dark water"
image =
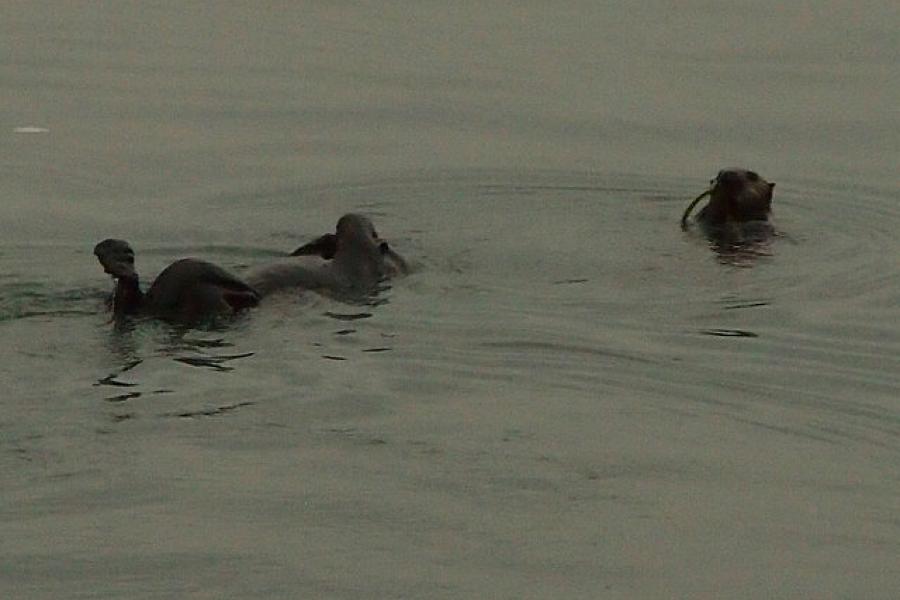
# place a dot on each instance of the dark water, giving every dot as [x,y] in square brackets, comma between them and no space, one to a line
[569,397]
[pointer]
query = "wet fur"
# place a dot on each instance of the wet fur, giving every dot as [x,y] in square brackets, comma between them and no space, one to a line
[735,196]
[188,290]
[351,261]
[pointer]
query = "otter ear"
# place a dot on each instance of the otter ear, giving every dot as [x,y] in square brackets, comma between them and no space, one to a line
[771,186]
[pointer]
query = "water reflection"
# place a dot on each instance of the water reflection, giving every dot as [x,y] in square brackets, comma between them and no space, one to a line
[740,244]
[719,332]
[112,378]
[348,316]
[209,412]
[216,363]
[124,397]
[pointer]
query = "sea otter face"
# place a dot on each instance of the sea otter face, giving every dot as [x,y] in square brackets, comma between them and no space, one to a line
[735,195]
[357,231]
[117,258]
[733,178]
[361,249]
[358,250]
[741,195]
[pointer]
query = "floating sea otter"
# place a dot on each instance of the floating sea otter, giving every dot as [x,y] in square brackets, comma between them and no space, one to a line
[352,260]
[188,290]
[735,196]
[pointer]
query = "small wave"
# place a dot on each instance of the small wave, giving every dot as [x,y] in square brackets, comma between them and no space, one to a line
[209,412]
[216,363]
[26,300]
[729,333]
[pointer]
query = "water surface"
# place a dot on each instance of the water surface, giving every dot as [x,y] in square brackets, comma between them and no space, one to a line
[569,397]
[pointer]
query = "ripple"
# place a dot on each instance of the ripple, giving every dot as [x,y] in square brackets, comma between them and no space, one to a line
[741,305]
[729,333]
[799,297]
[845,241]
[112,381]
[570,285]
[124,397]
[38,299]
[215,363]
[348,316]
[209,412]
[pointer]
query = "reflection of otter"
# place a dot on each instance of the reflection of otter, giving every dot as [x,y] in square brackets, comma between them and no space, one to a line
[736,196]
[354,259]
[187,290]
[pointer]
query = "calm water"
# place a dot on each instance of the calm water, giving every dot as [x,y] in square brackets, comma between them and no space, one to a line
[569,397]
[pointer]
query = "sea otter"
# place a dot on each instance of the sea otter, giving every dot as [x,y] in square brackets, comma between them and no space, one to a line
[352,260]
[188,290]
[735,196]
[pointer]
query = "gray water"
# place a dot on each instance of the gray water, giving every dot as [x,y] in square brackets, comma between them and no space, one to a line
[569,397]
